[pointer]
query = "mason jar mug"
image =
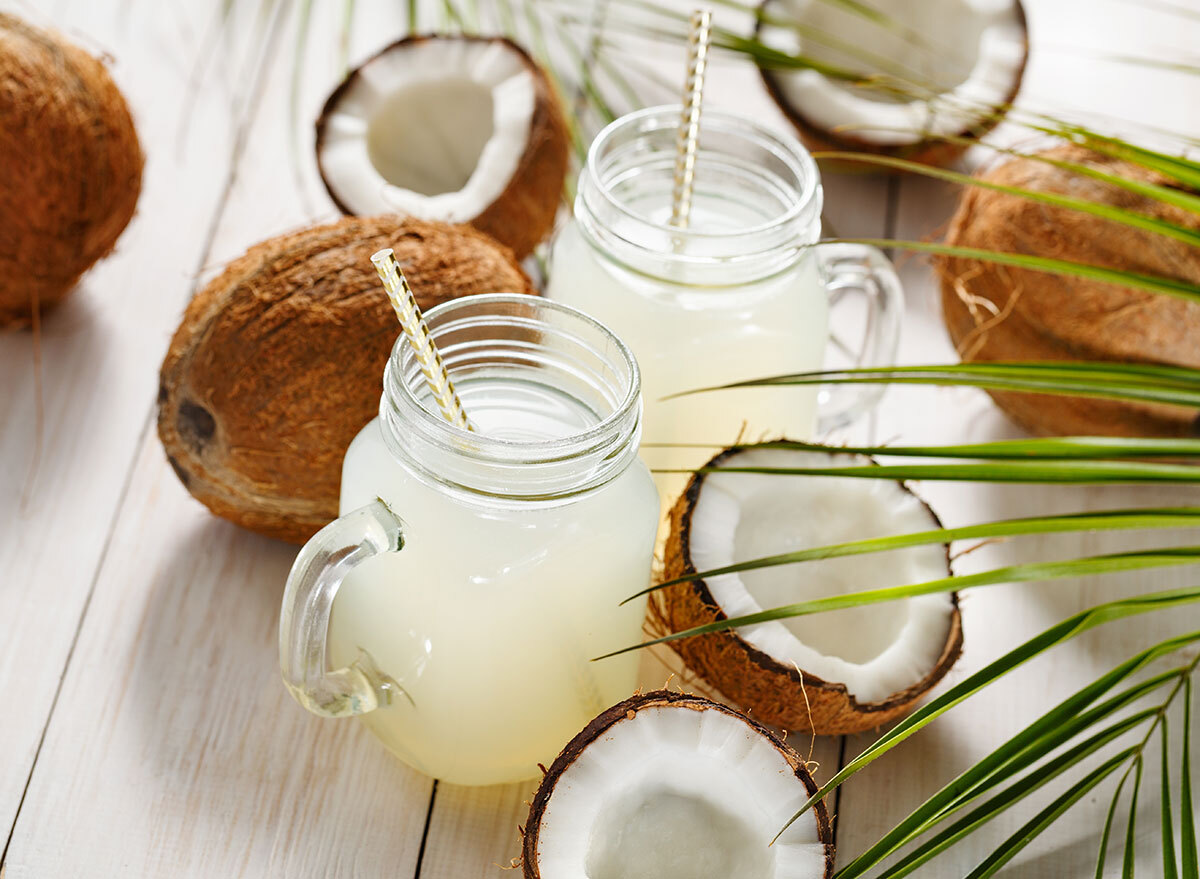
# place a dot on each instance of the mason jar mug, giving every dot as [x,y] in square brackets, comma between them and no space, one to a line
[740,293]
[457,604]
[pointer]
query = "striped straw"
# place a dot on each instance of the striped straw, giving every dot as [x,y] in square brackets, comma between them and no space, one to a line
[699,37]
[417,333]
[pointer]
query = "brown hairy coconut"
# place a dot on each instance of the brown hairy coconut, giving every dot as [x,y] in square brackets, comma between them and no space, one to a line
[71,169]
[1002,313]
[279,361]
[672,786]
[490,146]
[839,672]
[908,105]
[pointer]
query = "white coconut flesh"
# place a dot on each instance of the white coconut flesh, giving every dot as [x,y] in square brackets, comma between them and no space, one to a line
[673,792]
[433,128]
[875,650]
[967,56]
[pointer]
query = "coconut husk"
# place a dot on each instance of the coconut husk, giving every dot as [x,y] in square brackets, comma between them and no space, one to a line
[71,169]
[627,710]
[523,214]
[775,693]
[279,361]
[937,152]
[1004,313]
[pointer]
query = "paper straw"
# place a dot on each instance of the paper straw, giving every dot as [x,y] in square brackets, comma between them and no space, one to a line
[417,333]
[699,37]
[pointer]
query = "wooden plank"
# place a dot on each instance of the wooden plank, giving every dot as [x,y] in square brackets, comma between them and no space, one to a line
[998,618]
[175,750]
[172,713]
[61,482]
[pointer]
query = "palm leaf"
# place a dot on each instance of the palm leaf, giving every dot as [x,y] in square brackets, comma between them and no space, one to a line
[1096,209]
[1057,634]
[1187,824]
[1027,573]
[1110,520]
[1029,831]
[1024,749]
[1147,383]
[1168,840]
[1130,860]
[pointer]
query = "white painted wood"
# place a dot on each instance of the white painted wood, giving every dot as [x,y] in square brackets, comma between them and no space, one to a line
[60,488]
[174,694]
[173,749]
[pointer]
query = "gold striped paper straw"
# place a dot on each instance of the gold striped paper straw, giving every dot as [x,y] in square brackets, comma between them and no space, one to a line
[417,333]
[699,37]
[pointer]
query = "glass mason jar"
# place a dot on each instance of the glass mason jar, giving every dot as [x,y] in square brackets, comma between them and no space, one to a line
[457,603]
[740,294]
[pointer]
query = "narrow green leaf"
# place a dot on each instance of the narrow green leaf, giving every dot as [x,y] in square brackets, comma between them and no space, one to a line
[1027,573]
[1056,634]
[1129,862]
[1003,801]
[1174,385]
[1049,731]
[1049,448]
[1092,472]
[1119,277]
[1097,209]
[1187,826]
[1168,814]
[1012,846]
[1106,833]
[1110,520]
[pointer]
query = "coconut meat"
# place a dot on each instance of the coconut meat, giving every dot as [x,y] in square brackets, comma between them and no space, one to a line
[432,128]
[676,792]
[875,650]
[958,59]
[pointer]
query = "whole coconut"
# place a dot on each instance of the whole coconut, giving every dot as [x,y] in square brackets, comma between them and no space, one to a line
[279,361]
[1003,313]
[71,168]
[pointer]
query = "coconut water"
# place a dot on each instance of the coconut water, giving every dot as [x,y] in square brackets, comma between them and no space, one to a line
[489,616]
[687,337]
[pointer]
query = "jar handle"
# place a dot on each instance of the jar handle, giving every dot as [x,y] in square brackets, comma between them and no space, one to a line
[312,585]
[863,270]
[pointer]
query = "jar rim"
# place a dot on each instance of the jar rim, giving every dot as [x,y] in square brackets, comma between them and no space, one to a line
[790,151]
[416,429]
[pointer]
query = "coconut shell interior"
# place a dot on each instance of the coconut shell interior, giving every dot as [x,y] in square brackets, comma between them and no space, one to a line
[771,691]
[71,169]
[523,215]
[938,152]
[279,361]
[1004,313]
[603,726]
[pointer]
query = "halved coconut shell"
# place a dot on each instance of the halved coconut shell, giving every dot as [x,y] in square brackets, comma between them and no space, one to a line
[279,362]
[672,786]
[817,673]
[995,312]
[455,128]
[71,169]
[953,74]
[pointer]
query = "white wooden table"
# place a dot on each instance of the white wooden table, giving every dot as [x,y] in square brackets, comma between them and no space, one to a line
[143,727]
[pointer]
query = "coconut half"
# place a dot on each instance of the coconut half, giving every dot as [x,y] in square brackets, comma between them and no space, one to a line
[939,68]
[836,672]
[673,786]
[458,129]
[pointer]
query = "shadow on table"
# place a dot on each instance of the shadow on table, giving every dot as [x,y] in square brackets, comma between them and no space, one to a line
[229,746]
